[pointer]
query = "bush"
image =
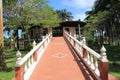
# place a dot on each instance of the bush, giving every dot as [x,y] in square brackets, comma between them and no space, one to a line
[29,46]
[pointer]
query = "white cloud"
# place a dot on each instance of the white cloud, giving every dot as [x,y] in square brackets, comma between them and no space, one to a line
[80,4]
[80,7]
[80,16]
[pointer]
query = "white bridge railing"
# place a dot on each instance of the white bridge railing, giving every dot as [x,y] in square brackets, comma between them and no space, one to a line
[97,64]
[25,66]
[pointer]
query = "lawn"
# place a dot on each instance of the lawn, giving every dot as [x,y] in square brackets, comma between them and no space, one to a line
[113,54]
[10,58]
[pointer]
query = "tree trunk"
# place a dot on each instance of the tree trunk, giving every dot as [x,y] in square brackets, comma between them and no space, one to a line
[2,62]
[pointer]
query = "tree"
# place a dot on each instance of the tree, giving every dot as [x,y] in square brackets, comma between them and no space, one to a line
[2,63]
[10,19]
[64,15]
[107,13]
[27,13]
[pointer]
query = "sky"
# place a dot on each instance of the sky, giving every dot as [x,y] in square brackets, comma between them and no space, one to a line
[76,7]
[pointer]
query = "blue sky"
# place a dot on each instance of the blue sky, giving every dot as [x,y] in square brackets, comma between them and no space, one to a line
[77,7]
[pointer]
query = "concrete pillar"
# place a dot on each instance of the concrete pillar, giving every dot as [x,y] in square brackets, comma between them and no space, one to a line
[19,69]
[103,66]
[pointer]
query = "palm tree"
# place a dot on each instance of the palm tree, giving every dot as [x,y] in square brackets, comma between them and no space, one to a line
[64,15]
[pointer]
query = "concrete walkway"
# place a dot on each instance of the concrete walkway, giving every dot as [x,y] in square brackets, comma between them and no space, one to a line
[60,63]
[57,63]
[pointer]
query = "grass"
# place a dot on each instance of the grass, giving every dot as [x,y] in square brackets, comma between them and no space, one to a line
[10,58]
[113,55]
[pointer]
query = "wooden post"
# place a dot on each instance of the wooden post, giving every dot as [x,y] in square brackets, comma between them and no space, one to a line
[19,69]
[103,66]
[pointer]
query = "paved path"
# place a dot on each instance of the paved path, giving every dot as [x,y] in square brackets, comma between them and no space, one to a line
[59,63]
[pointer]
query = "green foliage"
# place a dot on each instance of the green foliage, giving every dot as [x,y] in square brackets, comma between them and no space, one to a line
[29,46]
[50,17]
[1,47]
[104,17]
[64,15]
[89,28]
[27,13]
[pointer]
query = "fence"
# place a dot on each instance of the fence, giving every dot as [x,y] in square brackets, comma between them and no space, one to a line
[97,64]
[25,66]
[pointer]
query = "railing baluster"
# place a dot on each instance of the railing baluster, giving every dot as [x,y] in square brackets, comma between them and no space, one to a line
[81,51]
[25,66]
[96,67]
[92,63]
[88,58]
[32,59]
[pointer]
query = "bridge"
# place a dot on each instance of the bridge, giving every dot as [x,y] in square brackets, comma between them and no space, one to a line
[62,58]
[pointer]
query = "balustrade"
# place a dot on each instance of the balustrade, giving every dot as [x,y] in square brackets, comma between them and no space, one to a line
[25,66]
[96,63]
